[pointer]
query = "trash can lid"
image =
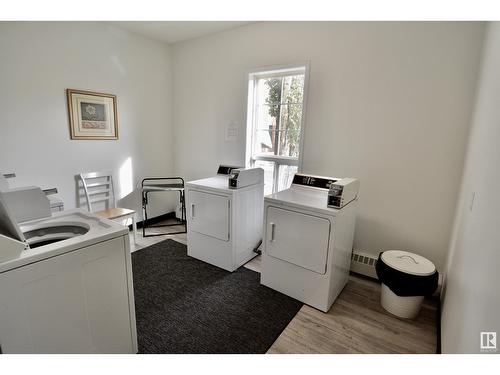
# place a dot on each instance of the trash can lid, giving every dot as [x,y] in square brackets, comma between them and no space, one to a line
[408,262]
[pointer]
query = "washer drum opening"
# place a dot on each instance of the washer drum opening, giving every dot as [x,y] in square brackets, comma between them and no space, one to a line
[51,234]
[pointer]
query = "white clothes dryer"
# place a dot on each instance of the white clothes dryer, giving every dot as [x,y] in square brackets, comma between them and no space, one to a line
[307,245]
[225,217]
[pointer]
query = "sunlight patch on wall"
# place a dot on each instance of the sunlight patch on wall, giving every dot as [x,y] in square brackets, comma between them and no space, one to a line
[126,179]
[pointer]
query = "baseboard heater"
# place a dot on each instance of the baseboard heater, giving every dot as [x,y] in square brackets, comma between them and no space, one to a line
[364,264]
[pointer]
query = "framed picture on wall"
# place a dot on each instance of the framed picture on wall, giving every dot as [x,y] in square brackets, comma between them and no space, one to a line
[92,115]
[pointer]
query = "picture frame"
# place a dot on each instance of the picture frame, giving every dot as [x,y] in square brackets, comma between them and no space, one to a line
[92,115]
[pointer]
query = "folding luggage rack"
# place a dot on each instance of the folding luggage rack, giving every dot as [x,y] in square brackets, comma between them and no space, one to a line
[162,184]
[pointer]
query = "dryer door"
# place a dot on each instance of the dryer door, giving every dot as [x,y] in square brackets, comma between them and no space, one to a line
[209,214]
[298,238]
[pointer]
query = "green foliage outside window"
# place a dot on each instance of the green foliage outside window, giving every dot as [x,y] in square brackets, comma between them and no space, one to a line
[285,107]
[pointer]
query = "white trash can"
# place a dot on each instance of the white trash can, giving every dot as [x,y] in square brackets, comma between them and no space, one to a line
[418,276]
[404,307]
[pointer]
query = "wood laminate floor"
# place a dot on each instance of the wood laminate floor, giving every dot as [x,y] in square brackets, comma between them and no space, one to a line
[356,323]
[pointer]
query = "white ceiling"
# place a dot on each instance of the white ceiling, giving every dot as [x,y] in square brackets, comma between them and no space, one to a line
[177,31]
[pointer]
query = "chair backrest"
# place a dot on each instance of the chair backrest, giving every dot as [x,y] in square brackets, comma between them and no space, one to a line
[98,187]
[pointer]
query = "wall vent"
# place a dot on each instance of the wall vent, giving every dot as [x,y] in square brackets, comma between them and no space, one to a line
[364,264]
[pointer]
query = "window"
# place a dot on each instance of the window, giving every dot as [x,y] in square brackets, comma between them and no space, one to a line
[275,124]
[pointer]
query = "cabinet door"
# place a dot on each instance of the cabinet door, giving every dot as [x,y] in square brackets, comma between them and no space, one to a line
[298,238]
[72,303]
[209,214]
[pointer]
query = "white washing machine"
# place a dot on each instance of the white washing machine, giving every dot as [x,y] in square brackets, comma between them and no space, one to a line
[225,217]
[307,245]
[65,282]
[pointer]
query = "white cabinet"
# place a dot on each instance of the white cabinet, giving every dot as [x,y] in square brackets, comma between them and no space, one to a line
[77,302]
[209,214]
[298,238]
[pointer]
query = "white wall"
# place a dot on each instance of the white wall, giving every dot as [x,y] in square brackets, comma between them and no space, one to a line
[39,61]
[471,301]
[389,103]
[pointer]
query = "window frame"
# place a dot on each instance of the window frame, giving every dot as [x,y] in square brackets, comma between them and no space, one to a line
[253,76]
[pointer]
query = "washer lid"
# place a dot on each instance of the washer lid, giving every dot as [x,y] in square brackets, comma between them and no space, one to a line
[408,262]
[8,223]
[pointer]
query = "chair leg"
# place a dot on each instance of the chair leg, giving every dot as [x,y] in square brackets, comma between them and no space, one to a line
[144,213]
[184,210]
[134,229]
[184,206]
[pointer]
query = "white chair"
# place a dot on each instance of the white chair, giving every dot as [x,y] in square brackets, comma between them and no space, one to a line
[98,188]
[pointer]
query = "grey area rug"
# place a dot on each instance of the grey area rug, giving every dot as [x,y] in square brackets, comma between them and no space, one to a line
[184,305]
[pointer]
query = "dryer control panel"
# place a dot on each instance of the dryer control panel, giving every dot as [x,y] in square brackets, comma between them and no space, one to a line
[342,192]
[313,181]
[246,177]
[226,170]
